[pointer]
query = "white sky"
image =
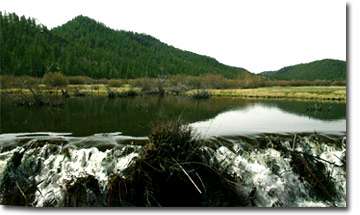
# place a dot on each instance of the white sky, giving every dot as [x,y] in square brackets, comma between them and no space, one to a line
[259,35]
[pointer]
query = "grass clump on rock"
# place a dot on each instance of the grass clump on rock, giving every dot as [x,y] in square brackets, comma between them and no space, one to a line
[173,171]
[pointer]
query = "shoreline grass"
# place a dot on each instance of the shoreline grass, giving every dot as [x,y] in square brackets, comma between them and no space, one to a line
[336,93]
[198,87]
[72,90]
[330,93]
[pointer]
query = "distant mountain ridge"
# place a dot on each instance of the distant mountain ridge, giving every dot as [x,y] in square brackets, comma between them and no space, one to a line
[83,46]
[326,69]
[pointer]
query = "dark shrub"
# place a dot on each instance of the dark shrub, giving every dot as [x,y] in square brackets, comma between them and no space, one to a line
[172,171]
[78,93]
[201,94]
[146,84]
[79,80]
[128,93]
[55,79]
[115,83]
[173,139]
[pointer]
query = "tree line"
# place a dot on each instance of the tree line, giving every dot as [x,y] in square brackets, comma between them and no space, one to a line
[86,47]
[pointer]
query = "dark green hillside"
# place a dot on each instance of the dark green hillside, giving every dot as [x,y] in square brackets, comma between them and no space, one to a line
[326,69]
[27,48]
[84,46]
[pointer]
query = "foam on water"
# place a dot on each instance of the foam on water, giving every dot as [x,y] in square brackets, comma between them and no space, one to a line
[60,170]
[266,174]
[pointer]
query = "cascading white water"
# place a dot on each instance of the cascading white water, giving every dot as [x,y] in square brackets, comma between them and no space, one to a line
[282,188]
[265,173]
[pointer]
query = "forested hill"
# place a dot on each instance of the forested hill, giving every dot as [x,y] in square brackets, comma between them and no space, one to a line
[84,46]
[327,69]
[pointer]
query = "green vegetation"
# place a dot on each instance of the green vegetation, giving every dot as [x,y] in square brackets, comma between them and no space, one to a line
[85,47]
[326,69]
[175,83]
[197,87]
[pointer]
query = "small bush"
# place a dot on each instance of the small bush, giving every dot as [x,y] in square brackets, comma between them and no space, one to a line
[79,80]
[147,85]
[6,81]
[128,93]
[101,81]
[178,89]
[201,94]
[55,79]
[115,83]
[214,81]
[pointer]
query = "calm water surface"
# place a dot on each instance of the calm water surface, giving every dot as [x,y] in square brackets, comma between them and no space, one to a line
[134,116]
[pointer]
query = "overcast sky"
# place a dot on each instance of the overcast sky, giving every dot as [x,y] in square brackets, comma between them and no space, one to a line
[259,35]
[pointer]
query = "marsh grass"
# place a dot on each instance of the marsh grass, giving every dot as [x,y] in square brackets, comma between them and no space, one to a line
[194,86]
[304,92]
[9,81]
[36,98]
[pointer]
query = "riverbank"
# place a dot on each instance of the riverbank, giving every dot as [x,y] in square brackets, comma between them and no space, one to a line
[72,90]
[336,93]
[332,93]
